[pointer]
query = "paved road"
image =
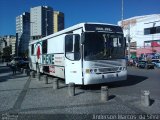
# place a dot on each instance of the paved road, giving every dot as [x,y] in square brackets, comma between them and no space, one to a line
[23,97]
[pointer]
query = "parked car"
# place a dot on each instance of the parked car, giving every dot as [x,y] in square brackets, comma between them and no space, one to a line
[20,62]
[145,64]
[141,64]
[156,63]
[17,59]
[25,63]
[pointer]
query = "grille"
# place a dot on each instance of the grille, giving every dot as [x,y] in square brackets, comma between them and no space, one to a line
[105,70]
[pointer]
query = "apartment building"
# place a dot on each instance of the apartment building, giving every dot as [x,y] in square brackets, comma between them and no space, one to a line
[58,22]
[41,22]
[144,32]
[23,32]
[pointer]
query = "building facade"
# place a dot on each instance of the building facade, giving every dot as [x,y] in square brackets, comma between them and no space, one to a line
[8,41]
[23,32]
[144,33]
[11,41]
[3,43]
[41,22]
[58,22]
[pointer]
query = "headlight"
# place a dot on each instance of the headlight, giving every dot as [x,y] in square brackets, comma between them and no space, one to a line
[88,71]
[91,71]
[95,70]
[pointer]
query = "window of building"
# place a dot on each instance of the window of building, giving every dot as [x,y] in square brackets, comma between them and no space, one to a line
[152,30]
[146,31]
[158,29]
[44,47]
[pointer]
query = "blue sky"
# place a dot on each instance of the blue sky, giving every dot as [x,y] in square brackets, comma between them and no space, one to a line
[76,11]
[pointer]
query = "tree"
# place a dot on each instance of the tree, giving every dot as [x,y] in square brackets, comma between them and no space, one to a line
[7,51]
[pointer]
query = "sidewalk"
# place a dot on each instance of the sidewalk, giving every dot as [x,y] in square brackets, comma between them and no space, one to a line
[35,99]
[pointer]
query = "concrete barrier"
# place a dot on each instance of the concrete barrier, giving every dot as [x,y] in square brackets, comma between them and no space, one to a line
[104,93]
[55,83]
[28,72]
[71,89]
[24,71]
[32,74]
[145,98]
[45,78]
[38,76]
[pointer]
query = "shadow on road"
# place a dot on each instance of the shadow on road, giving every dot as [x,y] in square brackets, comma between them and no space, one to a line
[4,69]
[10,76]
[131,80]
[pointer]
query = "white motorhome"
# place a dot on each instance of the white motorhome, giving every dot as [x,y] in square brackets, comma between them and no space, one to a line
[86,53]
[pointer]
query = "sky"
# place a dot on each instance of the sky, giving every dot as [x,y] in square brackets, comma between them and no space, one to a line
[76,11]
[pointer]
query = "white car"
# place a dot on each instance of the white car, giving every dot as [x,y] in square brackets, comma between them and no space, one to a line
[158,64]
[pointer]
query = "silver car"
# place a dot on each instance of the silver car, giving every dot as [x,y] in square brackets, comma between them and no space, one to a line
[156,63]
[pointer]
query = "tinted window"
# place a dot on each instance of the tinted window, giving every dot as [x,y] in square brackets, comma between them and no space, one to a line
[72,47]
[102,46]
[146,31]
[152,30]
[32,49]
[69,43]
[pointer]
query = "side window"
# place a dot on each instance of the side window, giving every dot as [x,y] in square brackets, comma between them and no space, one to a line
[72,47]
[32,49]
[69,43]
[44,47]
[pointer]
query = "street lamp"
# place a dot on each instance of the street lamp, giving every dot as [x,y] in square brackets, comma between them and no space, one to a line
[122,14]
[128,38]
[154,23]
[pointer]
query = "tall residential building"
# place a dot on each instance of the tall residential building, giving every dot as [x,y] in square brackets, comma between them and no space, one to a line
[58,22]
[144,32]
[3,43]
[8,41]
[41,22]
[23,32]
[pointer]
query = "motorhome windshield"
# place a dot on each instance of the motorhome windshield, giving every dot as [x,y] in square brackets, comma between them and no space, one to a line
[102,46]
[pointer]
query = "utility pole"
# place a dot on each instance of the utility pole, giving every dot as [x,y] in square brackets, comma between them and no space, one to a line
[122,14]
[153,37]
[129,40]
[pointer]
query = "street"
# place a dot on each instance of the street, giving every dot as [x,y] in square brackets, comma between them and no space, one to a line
[23,97]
